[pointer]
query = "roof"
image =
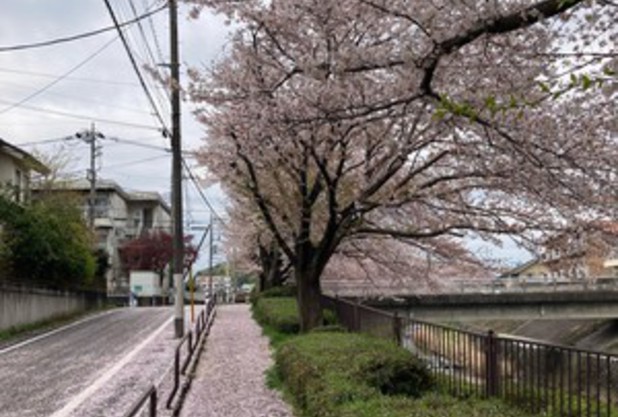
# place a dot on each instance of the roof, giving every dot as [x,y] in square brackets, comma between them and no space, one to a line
[149,196]
[519,269]
[110,185]
[23,156]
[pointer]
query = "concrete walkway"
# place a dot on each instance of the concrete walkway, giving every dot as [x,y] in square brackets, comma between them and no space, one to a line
[230,379]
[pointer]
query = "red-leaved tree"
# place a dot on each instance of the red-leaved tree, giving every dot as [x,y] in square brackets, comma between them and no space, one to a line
[153,251]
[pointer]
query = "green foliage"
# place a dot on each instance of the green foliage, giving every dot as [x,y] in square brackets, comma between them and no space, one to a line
[281,313]
[47,244]
[326,370]
[282,291]
[431,405]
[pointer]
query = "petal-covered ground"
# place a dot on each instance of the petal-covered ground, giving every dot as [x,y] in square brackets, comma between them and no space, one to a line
[230,376]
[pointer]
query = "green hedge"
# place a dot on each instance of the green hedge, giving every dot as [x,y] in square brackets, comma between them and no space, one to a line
[280,313]
[325,370]
[275,292]
[430,405]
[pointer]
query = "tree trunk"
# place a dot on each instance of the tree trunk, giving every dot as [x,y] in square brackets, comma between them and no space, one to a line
[308,284]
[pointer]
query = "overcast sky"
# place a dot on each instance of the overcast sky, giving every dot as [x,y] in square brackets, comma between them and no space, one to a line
[52,92]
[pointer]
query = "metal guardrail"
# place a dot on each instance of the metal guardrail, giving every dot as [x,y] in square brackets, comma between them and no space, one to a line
[544,378]
[150,394]
[191,342]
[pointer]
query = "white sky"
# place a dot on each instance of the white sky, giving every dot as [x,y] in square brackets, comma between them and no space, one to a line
[104,87]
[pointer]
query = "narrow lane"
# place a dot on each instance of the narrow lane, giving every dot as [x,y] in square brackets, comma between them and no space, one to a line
[40,378]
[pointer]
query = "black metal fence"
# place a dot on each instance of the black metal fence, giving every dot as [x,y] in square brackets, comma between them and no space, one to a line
[543,378]
[182,357]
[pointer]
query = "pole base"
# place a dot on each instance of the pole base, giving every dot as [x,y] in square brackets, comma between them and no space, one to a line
[179,327]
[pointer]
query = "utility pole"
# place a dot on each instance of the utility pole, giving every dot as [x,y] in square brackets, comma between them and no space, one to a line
[90,137]
[178,243]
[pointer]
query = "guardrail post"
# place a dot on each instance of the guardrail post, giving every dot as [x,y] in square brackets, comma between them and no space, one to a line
[492,378]
[356,324]
[397,328]
[153,403]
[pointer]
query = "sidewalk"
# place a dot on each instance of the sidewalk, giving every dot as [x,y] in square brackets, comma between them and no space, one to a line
[230,379]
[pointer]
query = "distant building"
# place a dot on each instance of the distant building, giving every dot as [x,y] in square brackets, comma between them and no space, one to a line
[119,216]
[16,166]
[583,256]
[222,286]
[531,269]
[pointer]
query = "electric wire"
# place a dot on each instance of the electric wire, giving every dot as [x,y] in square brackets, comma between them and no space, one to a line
[200,191]
[149,52]
[104,103]
[149,146]
[82,117]
[91,80]
[43,141]
[162,96]
[136,69]
[59,78]
[81,35]
[154,34]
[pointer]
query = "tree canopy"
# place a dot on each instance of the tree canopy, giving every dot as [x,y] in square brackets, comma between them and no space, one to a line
[420,122]
[46,244]
[153,251]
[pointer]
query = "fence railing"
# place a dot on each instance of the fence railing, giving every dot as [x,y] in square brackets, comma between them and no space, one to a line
[149,395]
[189,342]
[544,378]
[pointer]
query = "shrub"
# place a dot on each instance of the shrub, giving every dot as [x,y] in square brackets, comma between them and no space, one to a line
[324,370]
[431,405]
[280,313]
[274,292]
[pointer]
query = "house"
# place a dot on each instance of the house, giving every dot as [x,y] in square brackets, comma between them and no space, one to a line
[16,166]
[119,216]
[577,256]
[528,270]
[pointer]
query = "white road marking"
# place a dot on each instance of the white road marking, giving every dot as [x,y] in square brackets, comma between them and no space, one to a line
[52,332]
[107,375]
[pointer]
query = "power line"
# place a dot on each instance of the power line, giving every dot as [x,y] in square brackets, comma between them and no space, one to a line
[81,35]
[44,141]
[200,192]
[162,102]
[82,117]
[154,35]
[59,78]
[105,103]
[47,75]
[153,61]
[135,67]
[149,146]
[124,164]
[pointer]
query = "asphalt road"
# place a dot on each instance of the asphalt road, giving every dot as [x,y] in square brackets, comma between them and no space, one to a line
[94,368]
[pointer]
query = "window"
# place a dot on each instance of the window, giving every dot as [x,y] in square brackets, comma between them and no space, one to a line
[18,185]
[101,206]
[147,213]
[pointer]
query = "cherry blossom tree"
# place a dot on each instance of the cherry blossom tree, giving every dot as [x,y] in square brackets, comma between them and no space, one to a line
[424,121]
